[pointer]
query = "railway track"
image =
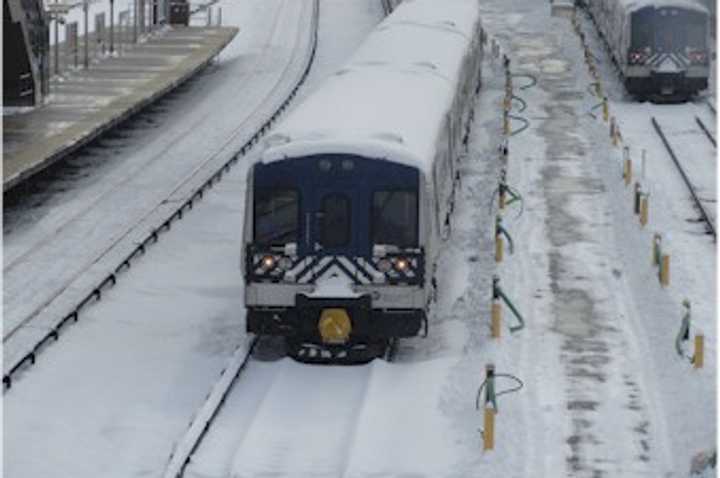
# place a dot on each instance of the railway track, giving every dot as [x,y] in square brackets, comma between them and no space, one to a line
[256,386]
[705,130]
[706,213]
[205,416]
[48,245]
[95,293]
[711,107]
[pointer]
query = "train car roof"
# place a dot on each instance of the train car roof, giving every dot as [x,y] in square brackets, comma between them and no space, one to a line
[391,99]
[634,5]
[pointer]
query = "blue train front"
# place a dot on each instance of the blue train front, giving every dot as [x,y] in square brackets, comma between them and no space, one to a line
[662,47]
[335,256]
[350,200]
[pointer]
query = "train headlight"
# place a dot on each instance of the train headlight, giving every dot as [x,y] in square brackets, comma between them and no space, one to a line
[285,263]
[636,57]
[268,263]
[402,264]
[384,266]
[698,57]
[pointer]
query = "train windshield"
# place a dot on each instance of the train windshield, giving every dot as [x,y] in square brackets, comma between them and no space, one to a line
[668,29]
[642,29]
[276,216]
[395,218]
[676,29]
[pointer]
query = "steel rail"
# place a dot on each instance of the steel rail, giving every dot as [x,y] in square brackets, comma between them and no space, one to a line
[205,416]
[710,105]
[70,220]
[706,131]
[110,280]
[698,203]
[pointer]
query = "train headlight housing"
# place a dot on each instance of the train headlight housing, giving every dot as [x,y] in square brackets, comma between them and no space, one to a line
[384,266]
[401,264]
[637,57]
[698,57]
[268,263]
[285,263]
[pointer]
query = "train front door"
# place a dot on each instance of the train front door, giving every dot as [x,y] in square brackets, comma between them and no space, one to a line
[333,228]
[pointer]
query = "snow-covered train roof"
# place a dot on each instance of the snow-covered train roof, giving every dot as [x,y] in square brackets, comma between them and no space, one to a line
[390,99]
[634,5]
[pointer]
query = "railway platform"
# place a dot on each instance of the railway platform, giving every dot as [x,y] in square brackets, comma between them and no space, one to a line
[85,103]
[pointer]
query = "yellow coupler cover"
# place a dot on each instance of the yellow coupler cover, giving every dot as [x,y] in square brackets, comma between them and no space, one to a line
[334,326]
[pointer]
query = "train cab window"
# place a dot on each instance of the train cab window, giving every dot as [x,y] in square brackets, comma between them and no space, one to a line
[395,218]
[642,29]
[334,220]
[276,216]
[696,31]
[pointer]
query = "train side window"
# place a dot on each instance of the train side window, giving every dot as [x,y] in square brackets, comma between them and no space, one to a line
[334,220]
[696,32]
[642,29]
[395,218]
[276,216]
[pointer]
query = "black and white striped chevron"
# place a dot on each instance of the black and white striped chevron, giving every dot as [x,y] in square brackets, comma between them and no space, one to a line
[670,62]
[310,269]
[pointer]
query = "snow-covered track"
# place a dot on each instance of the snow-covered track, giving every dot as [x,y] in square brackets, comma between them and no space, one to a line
[711,106]
[704,213]
[204,417]
[152,237]
[706,131]
[30,292]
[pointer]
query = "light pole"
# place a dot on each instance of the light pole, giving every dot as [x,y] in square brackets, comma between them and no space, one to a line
[55,12]
[57,43]
[135,20]
[112,27]
[86,60]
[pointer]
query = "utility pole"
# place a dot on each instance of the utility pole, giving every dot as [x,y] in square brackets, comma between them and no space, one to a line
[57,43]
[86,61]
[112,27]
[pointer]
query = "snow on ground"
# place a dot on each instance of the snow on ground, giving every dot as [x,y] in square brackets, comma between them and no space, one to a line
[90,208]
[119,388]
[604,393]
[610,396]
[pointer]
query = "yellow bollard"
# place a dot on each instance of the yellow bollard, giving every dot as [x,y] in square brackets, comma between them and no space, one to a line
[699,356]
[627,172]
[506,123]
[499,248]
[616,135]
[501,199]
[643,211]
[665,270]
[606,109]
[495,320]
[489,429]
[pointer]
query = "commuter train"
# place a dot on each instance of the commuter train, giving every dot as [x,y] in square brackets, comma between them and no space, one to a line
[662,47]
[349,201]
